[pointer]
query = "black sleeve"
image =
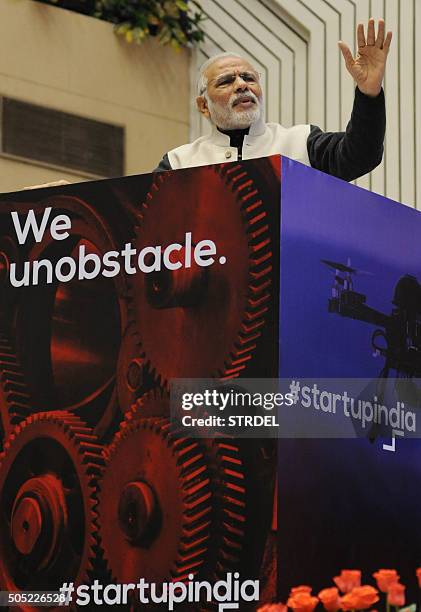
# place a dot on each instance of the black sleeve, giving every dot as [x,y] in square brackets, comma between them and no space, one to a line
[348,155]
[164,164]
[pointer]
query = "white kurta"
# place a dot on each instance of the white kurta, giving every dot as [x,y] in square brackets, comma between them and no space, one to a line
[263,139]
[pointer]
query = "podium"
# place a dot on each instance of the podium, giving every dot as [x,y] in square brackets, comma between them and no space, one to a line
[253,270]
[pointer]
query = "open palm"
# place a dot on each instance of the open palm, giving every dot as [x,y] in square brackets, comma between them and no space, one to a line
[367,68]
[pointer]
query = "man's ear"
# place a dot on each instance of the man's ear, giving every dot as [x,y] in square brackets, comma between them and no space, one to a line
[202,106]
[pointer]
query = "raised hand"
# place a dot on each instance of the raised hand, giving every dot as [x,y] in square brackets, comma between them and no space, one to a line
[367,68]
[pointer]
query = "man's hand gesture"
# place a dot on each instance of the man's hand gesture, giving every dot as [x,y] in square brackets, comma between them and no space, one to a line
[367,68]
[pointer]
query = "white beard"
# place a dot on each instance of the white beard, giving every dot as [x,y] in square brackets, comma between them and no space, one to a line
[226,118]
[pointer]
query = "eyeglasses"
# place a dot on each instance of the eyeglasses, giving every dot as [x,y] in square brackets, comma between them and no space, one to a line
[224,81]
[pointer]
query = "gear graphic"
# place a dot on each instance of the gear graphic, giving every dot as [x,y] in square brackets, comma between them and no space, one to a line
[130,370]
[229,512]
[179,503]
[154,503]
[70,320]
[14,397]
[197,321]
[48,479]
[9,253]
[153,404]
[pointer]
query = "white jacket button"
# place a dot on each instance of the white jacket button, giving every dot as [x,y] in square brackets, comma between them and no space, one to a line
[228,154]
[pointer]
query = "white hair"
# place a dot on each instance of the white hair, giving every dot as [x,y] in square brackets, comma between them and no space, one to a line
[202,81]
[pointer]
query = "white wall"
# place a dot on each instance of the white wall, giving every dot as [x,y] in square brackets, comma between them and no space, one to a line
[293,43]
[70,62]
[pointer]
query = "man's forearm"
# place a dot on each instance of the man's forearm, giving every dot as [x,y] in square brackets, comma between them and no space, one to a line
[358,150]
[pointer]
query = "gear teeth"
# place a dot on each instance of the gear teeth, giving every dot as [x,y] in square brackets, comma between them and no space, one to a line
[88,460]
[15,404]
[92,459]
[260,269]
[194,483]
[254,214]
[157,399]
[229,469]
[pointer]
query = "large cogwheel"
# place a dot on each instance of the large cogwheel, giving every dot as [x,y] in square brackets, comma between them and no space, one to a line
[171,506]
[228,520]
[203,321]
[14,396]
[69,362]
[48,479]
[154,503]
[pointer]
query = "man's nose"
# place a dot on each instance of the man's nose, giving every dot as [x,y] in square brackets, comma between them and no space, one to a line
[240,84]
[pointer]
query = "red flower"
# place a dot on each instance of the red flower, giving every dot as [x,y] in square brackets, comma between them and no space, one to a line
[396,595]
[302,602]
[386,577]
[302,588]
[359,598]
[330,599]
[418,572]
[348,580]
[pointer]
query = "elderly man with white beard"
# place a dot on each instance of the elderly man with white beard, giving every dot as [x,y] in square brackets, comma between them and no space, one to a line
[231,98]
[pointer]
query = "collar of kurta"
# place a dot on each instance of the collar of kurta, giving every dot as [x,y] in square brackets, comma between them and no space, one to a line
[231,137]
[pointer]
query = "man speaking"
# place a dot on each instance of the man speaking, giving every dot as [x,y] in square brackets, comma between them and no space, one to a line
[231,98]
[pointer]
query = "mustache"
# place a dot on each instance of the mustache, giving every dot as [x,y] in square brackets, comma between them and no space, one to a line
[244,97]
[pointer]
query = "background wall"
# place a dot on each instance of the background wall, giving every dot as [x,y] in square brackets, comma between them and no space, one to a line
[293,43]
[70,62]
[74,63]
